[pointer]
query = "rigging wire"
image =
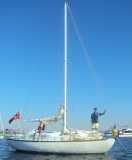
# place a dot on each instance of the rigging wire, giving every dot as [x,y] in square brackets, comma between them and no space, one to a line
[86,53]
[99,88]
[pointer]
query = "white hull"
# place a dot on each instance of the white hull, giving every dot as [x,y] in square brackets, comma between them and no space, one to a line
[125,135]
[63,147]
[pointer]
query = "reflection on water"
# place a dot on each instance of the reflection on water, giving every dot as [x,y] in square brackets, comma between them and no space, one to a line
[117,153]
[25,156]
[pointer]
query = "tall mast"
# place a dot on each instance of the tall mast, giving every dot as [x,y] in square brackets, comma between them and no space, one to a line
[65,65]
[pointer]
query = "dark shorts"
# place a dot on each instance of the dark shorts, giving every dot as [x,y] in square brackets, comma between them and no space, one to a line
[41,128]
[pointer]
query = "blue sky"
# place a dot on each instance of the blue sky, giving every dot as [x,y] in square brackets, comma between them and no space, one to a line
[31,60]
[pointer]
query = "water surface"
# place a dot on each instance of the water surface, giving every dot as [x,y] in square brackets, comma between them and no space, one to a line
[120,151]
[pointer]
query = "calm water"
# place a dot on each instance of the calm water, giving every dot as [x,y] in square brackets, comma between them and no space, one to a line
[117,153]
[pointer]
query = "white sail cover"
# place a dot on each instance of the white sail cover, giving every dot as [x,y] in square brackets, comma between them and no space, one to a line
[58,116]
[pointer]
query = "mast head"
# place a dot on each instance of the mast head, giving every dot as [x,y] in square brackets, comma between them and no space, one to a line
[66,2]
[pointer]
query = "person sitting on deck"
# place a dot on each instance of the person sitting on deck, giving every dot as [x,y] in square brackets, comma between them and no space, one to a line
[115,131]
[94,119]
[41,127]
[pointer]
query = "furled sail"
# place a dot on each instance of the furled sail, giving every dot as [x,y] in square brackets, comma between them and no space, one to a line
[58,116]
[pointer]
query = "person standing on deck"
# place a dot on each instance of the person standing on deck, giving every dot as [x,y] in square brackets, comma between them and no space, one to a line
[95,118]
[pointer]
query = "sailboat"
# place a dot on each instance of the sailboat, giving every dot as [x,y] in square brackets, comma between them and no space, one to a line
[67,141]
[2,132]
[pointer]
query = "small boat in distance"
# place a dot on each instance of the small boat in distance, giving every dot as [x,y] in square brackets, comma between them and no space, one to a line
[2,131]
[125,132]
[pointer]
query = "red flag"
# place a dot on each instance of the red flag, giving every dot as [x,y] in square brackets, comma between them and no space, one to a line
[15,117]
